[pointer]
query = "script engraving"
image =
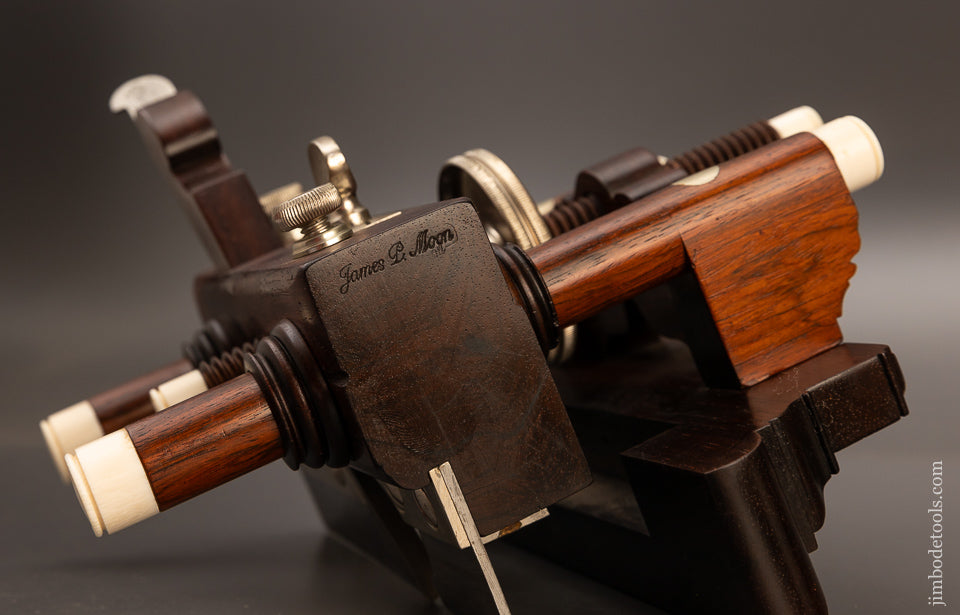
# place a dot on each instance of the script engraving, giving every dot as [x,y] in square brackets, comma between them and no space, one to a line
[426,241]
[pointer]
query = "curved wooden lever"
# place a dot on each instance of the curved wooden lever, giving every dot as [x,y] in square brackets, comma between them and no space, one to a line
[218,198]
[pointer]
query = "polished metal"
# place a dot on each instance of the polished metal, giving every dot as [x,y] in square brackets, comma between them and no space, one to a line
[274,199]
[330,165]
[448,487]
[504,205]
[315,213]
[508,213]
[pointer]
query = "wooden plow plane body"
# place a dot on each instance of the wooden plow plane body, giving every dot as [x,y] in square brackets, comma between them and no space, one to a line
[642,380]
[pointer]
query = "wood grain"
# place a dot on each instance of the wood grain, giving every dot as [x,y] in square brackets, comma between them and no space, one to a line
[130,401]
[219,200]
[769,240]
[206,441]
[703,500]
[430,360]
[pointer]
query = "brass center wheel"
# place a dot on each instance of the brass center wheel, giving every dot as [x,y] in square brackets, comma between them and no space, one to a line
[507,211]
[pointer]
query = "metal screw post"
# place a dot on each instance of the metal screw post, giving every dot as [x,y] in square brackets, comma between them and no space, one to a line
[315,213]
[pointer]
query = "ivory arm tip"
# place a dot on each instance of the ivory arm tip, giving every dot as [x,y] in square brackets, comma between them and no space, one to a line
[855,149]
[65,430]
[111,484]
[177,390]
[796,120]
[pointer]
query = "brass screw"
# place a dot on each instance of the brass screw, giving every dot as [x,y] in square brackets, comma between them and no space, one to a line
[315,213]
[330,165]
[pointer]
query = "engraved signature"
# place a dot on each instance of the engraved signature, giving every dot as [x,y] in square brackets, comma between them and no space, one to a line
[426,242]
[350,275]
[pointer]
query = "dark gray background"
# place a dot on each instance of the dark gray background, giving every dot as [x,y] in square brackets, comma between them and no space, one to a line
[97,258]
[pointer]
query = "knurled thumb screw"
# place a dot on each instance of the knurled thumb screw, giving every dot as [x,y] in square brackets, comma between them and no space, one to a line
[315,213]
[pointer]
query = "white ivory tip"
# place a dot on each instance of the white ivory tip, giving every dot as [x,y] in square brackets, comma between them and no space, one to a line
[855,149]
[139,92]
[800,119]
[177,390]
[67,429]
[111,483]
[699,178]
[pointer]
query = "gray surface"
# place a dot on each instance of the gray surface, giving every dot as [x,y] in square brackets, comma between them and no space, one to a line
[97,260]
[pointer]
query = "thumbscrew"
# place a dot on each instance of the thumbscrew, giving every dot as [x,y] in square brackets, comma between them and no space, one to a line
[315,213]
